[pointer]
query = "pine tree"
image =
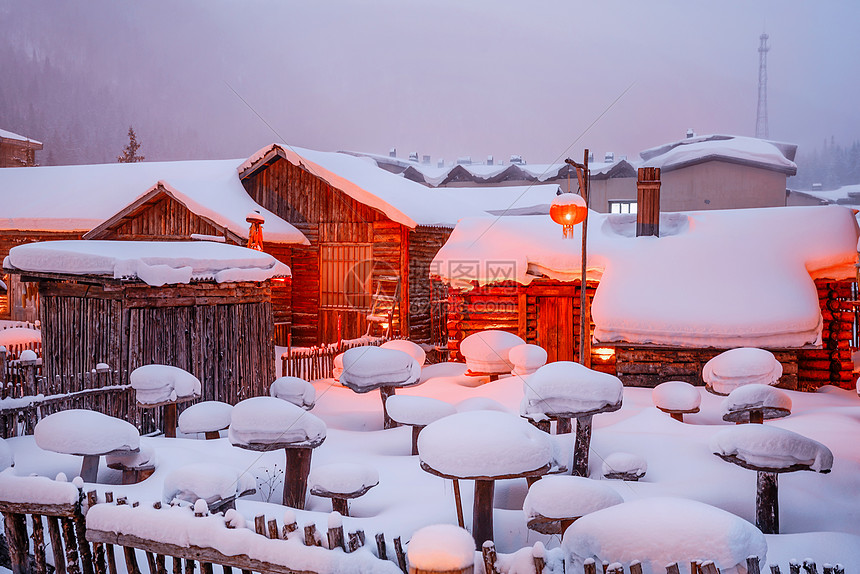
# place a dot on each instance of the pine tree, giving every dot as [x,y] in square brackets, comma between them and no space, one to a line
[129,152]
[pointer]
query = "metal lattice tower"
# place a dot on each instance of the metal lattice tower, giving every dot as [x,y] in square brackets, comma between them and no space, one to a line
[761,130]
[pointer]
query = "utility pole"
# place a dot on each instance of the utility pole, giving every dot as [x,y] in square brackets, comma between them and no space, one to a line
[761,130]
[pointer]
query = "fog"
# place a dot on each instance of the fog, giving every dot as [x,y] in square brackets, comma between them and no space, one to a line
[446,78]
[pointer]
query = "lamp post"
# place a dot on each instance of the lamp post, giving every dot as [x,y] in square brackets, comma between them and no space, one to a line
[583,176]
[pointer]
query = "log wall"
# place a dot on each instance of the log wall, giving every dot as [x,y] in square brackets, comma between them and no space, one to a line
[161,219]
[223,334]
[426,310]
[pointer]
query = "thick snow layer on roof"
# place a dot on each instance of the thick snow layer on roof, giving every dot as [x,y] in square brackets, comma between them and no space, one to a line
[80,431]
[153,262]
[768,446]
[568,497]
[483,443]
[401,200]
[753,267]
[79,197]
[658,531]
[510,200]
[13,136]
[746,150]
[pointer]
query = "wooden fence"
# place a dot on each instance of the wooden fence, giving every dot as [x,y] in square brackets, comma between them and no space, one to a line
[312,363]
[88,545]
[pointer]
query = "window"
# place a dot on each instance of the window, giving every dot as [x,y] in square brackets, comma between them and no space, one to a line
[346,275]
[622,206]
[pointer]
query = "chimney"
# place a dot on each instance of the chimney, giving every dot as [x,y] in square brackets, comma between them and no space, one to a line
[392,152]
[648,202]
[489,160]
[255,231]
[609,157]
[691,133]
[426,160]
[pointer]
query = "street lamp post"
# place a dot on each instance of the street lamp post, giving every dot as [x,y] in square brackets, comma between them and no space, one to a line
[583,176]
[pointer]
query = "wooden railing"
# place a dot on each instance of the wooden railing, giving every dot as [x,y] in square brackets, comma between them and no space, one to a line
[312,363]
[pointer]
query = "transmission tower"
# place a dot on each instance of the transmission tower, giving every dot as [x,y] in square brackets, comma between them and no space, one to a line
[761,130]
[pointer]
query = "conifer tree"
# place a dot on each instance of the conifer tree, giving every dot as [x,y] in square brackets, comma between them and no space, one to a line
[129,152]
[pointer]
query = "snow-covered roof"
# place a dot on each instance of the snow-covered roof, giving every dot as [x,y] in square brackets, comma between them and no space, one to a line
[79,197]
[223,201]
[401,200]
[776,156]
[13,136]
[153,262]
[722,278]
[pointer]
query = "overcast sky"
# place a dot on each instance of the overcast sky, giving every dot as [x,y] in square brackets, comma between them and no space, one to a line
[451,78]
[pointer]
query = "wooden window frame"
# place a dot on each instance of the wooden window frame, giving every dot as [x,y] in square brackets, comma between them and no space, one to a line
[343,284]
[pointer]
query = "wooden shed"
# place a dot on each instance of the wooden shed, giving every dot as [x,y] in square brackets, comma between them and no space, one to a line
[204,307]
[208,211]
[372,237]
[662,307]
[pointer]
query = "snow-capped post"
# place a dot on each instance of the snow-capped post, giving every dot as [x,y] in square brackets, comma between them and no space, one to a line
[755,404]
[255,231]
[676,398]
[648,202]
[583,175]
[769,451]
[164,386]
[29,361]
[341,482]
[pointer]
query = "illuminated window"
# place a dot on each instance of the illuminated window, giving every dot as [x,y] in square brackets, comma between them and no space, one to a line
[622,206]
[345,275]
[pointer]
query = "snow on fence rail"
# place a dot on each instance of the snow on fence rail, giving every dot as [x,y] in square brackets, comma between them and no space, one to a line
[84,532]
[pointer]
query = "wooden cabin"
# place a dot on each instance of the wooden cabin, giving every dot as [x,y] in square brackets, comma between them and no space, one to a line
[191,305]
[208,211]
[17,150]
[372,237]
[660,308]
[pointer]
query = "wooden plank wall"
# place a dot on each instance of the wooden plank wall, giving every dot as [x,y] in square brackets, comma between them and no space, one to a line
[223,334]
[161,219]
[424,309]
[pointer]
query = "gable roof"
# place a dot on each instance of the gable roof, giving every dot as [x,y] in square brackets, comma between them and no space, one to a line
[753,152]
[6,135]
[401,200]
[721,278]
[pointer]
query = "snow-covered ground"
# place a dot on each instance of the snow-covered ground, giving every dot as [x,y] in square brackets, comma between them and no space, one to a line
[819,513]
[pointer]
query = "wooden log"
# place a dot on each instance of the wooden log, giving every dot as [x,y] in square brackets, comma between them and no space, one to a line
[384,393]
[100,562]
[810,567]
[401,556]
[673,568]
[708,567]
[16,539]
[206,568]
[581,446]
[150,560]
[767,502]
[794,567]
[482,512]
[57,545]
[190,566]
[635,567]
[160,564]
[539,563]
[335,537]
[71,546]
[260,524]
[131,565]
[296,476]
[753,565]
[589,566]
[311,535]
[488,551]
[274,532]
[39,544]
[381,549]
[81,534]
[774,569]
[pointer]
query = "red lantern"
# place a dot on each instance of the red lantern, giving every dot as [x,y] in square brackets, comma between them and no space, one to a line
[568,209]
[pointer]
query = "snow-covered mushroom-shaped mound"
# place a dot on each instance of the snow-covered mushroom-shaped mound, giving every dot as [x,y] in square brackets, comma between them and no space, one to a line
[743,366]
[85,432]
[208,481]
[7,459]
[369,368]
[527,358]
[570,389]
[408,347]
[480,404]
[294,390]
[441,548]
[755,403]
[554,502]
[624,466]
[661,530]
[155,384]
[270,421]
[487,351]
[417,412]
[207,417]
[771,449]
[144,457]
[483,444]
[676,398]
[342,481]
[28,356]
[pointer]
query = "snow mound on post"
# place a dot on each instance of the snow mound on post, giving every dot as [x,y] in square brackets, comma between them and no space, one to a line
[83,432]
[487,351]
[414,410]
[267,420]
[755,396]
[527,358]
[568,387]
[145,457]
[676,396]
[483,443]
[368,368]
[294,390]
[206,480]
[743,366]
[204,417]
[441,548]
[767,446]
[408,347]
[568,497]
[624,462]
[35,490]
[343,477]
[658,531]
[156,383]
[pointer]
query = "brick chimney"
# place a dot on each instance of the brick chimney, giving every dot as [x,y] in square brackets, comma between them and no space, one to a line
[648,200]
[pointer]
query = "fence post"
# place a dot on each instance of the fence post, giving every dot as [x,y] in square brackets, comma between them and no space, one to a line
[3,364]
[29,387]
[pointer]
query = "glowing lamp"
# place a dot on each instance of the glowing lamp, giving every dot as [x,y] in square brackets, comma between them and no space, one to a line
[568,209]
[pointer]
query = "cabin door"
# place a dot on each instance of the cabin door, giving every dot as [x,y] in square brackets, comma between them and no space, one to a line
[555,327]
